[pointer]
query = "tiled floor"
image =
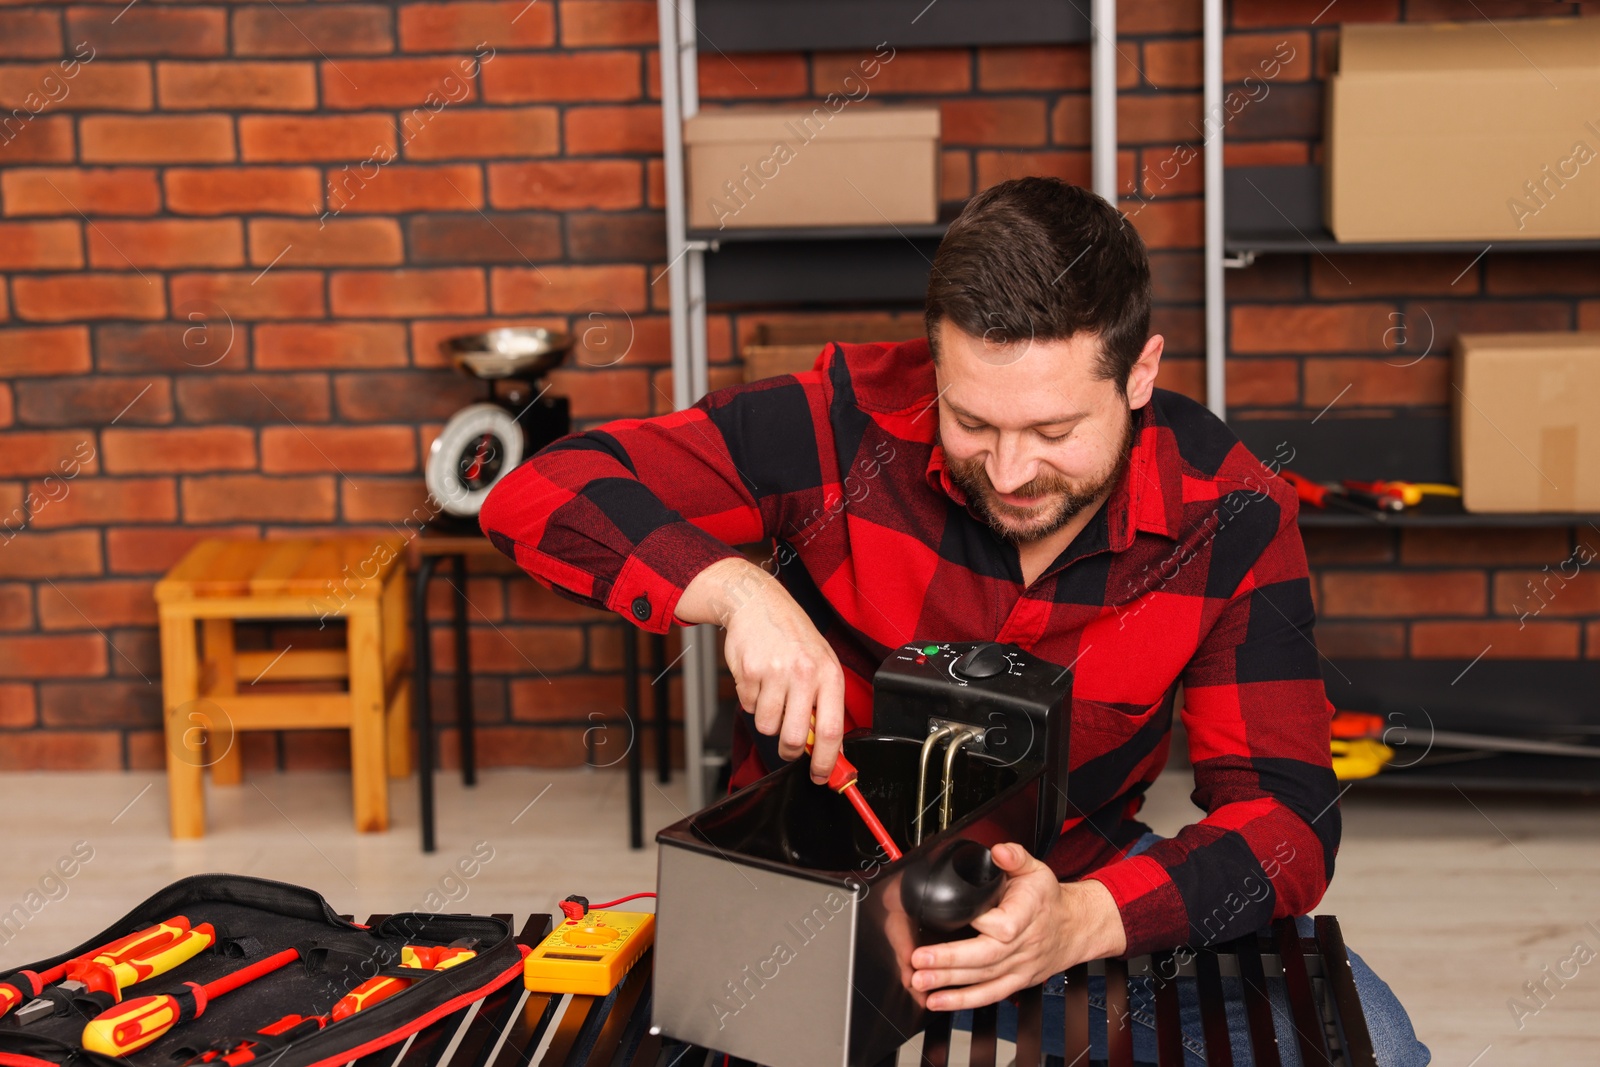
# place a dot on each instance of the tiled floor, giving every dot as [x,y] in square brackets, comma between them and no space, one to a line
[1457,901]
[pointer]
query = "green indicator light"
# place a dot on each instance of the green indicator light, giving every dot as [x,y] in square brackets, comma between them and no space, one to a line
[928,650]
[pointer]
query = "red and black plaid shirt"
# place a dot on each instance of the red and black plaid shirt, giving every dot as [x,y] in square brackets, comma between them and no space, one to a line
[1192,574]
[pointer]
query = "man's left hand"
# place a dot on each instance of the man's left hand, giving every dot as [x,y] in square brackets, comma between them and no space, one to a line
[1041,926]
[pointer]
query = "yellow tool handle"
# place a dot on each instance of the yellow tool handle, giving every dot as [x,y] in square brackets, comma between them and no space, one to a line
[1359,758]
[1436,489]
[131,1025]
[165,947]
[10,997]
[452,956]
[130,945]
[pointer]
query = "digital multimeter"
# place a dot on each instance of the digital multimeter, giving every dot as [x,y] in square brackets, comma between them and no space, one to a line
[589,955]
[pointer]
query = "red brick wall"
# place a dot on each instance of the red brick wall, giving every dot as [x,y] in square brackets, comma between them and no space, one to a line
[230,246]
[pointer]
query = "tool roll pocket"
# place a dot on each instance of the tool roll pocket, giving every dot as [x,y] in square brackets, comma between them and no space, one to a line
[327,990]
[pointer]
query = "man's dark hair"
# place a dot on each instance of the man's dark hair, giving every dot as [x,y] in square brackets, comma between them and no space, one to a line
[1041,258]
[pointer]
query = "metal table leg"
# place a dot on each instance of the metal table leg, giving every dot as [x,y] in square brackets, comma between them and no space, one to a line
[630,696]
[464,716]
[660,694]
[422,694]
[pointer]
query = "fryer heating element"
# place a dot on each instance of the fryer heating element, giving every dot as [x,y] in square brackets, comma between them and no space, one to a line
[955,737]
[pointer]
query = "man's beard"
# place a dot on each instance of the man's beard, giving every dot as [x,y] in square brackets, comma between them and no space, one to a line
[1040,522]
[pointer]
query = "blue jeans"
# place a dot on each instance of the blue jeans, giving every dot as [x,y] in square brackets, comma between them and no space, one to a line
[1393,1040]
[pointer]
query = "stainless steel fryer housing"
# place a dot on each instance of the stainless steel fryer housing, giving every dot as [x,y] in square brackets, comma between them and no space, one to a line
[783,936]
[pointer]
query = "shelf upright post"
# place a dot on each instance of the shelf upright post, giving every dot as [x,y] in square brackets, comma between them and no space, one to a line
[1216,298]
[686,288]
[1103,98]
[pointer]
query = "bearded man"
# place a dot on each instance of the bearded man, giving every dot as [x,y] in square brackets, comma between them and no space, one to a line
[1015,476]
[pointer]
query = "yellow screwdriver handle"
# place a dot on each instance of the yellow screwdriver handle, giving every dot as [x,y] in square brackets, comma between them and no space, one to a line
[131,1025]
[166,948]
[434,958]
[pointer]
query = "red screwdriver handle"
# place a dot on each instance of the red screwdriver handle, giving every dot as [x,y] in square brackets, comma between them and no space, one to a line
[25,985]
[1307,490]
[842,779]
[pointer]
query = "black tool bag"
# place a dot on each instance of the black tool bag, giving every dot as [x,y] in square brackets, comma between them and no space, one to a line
[255,918]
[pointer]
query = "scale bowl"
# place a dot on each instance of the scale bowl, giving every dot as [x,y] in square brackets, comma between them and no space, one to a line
[527,352]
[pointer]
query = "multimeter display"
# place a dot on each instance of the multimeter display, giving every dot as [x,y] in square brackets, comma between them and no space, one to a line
[589,955]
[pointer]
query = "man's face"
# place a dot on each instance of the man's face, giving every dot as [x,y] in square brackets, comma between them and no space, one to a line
[1029,433]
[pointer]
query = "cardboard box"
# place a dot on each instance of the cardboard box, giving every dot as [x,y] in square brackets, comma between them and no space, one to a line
[812,166]
[1472,131]
[1527,429]
[769,361]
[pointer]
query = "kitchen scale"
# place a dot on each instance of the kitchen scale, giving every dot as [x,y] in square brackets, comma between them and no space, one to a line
[485,441]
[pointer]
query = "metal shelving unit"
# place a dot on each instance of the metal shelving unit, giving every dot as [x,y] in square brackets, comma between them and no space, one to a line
[1256,211]
[1413,449]
[877,265]
[1279,209]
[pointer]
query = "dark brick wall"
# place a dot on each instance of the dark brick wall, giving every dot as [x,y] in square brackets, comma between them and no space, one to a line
[231,241]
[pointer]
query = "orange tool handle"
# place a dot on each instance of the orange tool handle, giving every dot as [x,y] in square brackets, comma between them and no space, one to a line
[1307,490]
[842,779]
[1350,725]
[133,1024]
[142,955]
[366,995]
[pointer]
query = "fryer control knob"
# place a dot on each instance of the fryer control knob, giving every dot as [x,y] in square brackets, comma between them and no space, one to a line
[982,661]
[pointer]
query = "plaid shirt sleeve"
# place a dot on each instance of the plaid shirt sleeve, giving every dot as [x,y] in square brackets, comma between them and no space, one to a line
[623,517]
[1258,720]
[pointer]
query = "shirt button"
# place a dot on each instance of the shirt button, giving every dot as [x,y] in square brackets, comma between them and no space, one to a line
[641,607]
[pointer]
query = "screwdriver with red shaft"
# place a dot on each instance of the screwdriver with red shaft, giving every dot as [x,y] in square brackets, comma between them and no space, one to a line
[842,779]
[133,1024]
[365,995]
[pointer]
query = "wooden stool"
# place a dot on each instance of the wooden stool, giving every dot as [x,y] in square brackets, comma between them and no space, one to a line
[360,580]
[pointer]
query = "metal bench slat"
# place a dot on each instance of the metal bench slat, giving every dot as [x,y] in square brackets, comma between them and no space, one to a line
[1169,1013]
[1213,1009]
[984,1021]
[936,1040]
[1119,1023]
[1257,1003]
[1348,1016]
[1302,1001]
[620,1012]
[1030,1026]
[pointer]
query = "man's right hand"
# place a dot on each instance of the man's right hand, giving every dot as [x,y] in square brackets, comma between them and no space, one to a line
[784,671]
